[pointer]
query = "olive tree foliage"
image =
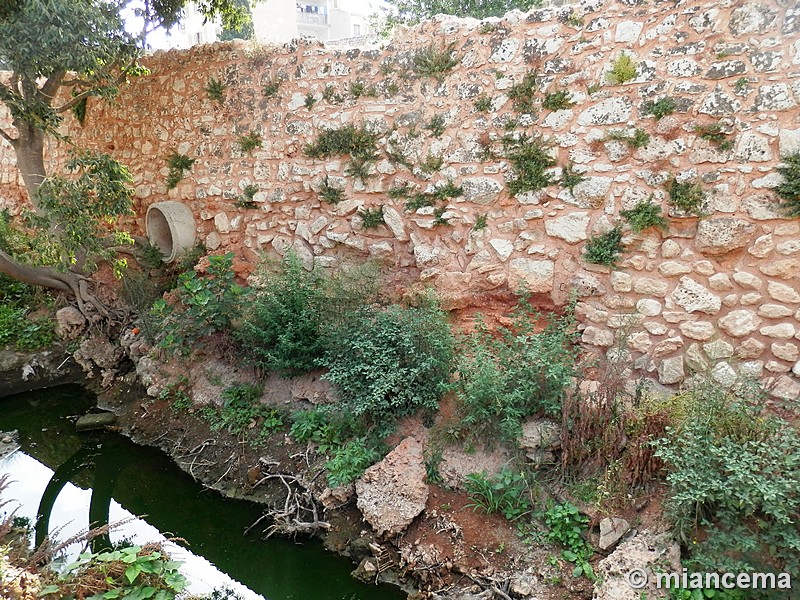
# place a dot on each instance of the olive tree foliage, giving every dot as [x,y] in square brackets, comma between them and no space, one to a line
[410,12]
[57,54]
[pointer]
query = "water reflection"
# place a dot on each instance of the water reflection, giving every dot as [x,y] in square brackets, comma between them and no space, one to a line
[70,516]
[143,481]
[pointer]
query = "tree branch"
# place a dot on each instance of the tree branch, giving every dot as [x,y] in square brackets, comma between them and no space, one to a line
[123,74]
[47,92]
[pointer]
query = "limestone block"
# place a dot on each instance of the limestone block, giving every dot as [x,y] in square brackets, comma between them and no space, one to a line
[670,370]
[647,286]
[739,323]
[782,292]
[572,227]
[537,275]
[717,236]
[774,311]
[720,282]
[693,297]
[787,351]
[782,331]
[697,330]
[747,280]
[749,349]
[718,349]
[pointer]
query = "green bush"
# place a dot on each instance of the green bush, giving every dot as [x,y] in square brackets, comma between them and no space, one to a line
[26,334]
[330,193]
[638,139]
[516,373]
[179,165]
[215,90]
[789,189]
[570,177]
[558,100]
[505,493]
[734,473]
[715,134]
[208,305]
[644,215]
[356,141]
[436,125]
[248,143]
[390,362]
[687,196]
[623,70]
[482,103]
[566,527]
[371,217]
[129,572]
[604,249]
[521,94]
[243,413]
[434,62]
[282,330]
[531,159]
[659,108]
[341,437]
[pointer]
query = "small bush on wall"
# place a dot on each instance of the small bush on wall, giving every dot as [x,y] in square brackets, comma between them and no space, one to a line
[531,160]
[644,215]
[789,189]
[604,249]
[623,70]
[686,196]
[434,62]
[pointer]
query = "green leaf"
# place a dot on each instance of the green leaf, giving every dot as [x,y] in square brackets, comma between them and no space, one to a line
[50,589]
[132,572]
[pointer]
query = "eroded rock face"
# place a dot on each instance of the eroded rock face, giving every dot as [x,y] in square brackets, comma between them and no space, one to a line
[646,551]
[70,323]
[391,493]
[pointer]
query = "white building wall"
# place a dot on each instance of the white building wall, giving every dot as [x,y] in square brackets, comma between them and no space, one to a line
[275,21]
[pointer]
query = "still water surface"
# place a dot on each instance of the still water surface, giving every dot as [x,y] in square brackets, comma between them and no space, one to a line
[143,481]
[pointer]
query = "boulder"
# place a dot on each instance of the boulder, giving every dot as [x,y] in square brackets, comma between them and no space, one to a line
[641,555]
[70,323]
[611,531]
[393,492]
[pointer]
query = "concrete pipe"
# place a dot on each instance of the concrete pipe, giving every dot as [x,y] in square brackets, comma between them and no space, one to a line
[170,228]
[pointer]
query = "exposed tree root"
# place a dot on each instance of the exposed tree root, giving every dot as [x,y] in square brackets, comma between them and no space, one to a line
[299,515]
[64,281]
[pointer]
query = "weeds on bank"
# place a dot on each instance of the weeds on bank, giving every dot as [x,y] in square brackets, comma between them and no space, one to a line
[506,493]
[242,412]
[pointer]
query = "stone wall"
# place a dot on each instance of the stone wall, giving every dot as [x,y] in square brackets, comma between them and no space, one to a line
[721,292]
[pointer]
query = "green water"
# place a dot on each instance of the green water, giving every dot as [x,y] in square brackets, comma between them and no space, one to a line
[148,483]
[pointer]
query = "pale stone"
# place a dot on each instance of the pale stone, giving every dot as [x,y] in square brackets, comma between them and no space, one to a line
[221,223]
[647,286]
[607,112]
[673,268]
[648,307]
[677,317]
[750,348]
[750,299]
[695,358]
[762,246]
[787,351]
[774,311]
[730,300]
[787,268]
[627,31]
[693,297]
[785,388]
[213,240]
[612,529]
[788,247]
[670,370]
[624,320]
[720,282]
[718,349]
[747,280]
[704,267]
[585,285]
[670,249]
[773,366]
[782,292]
[781,331]
[481,190]
[621,282]
[788,229]
[723,374]
[381,250]
[394,221]
[751,368]
[721,235]
[697,330]
[739,323]
[537,275]
[655,328]
[572,227]
[667,346]
[594,336]
[426,255]
[504,248]
[639,341]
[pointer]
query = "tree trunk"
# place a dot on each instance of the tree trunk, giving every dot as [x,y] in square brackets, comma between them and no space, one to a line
[29,149]
[72,283]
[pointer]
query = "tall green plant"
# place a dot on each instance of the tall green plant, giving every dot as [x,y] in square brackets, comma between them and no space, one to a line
[208,305]
[516,372]
[789,189]
[390,362]
[735,473]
